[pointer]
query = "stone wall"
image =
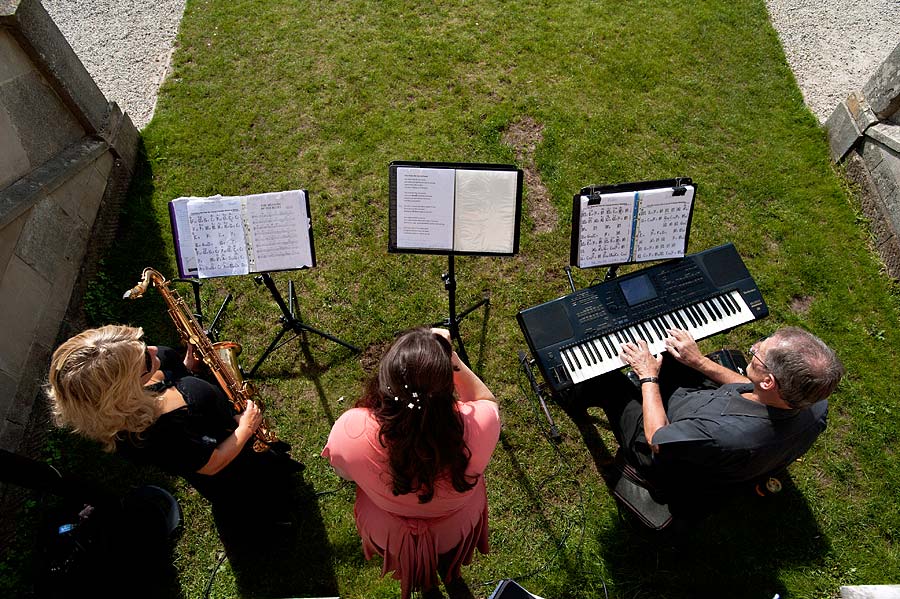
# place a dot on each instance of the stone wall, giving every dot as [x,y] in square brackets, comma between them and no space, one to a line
[65,153]
[864,135]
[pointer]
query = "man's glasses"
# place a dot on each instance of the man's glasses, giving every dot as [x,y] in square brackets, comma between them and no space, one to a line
[754,352]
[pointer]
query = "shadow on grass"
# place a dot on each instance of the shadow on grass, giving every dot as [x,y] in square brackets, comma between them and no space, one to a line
[737,551]
[113,545]
[284,560]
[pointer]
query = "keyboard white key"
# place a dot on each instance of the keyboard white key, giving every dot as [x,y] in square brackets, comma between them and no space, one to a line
[595,357]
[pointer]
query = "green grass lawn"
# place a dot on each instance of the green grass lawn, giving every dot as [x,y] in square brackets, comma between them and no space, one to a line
[270,95]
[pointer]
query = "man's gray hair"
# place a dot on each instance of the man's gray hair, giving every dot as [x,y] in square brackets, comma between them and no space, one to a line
[805,368]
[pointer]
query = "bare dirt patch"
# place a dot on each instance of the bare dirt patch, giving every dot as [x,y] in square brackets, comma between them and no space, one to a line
[523,136]
[800,304]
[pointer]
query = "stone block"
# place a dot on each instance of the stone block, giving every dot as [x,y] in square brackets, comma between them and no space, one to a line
[79,197]
[8,386]
[9,238]
[23,295]
[11,435]
[871,591]
[886,134]
[14,61]
[842,132]
[45,239]
[887,180]
[47,46]
[45,125]
[30,383]
[871,153]
[122,137]
[14,161]
[886,241]
[882,90]
[861,111]
[24,193]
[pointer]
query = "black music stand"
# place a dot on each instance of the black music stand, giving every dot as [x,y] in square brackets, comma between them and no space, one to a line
[289,321]
[212,330]
[452,322]
[455,208]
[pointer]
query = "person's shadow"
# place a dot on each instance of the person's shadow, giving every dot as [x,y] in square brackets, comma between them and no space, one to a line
[736,549]
[283,559]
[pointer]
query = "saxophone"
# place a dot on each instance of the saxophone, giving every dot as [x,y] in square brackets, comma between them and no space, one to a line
[220,357]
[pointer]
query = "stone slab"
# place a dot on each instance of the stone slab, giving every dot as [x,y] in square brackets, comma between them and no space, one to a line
[861,111]
[15,62]
[14,161]
[871,153]
[842,132]
[8,386]
[871,591]
[34,373]
[42,40]
[885,239]
[27,191]
[80,196]
[887,180]
[32,106]
[44,242]
[122,136]
[23,295]
[882,90]
[9,238]
[887,134]
[11,435]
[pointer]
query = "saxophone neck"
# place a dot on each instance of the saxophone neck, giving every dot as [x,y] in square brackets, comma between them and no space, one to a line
[149,274]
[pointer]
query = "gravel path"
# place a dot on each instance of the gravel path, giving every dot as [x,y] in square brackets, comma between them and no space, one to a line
[833,46]
[126,45]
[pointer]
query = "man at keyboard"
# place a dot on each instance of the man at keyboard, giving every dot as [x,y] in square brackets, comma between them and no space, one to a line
[696,427]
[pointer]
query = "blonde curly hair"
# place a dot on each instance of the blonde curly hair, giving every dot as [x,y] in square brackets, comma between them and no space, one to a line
[95,385]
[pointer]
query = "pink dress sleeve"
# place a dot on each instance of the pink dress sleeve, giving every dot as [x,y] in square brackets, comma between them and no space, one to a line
[482,425]
[348,445]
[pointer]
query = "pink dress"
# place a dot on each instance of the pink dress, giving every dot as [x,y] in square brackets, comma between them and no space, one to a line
[410,535]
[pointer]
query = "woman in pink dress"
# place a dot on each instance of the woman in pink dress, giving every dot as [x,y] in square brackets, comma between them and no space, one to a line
[416,445]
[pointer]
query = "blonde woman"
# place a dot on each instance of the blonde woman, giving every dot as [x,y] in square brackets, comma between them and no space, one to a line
[143,402]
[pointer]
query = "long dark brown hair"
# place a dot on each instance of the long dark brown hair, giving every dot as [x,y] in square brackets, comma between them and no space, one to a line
[411,397]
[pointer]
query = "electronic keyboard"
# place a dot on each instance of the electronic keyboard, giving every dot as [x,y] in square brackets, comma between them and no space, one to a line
[578,337]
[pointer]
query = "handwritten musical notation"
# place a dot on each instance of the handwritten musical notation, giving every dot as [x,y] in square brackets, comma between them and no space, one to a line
[633,226]
[225,236]
[217,230]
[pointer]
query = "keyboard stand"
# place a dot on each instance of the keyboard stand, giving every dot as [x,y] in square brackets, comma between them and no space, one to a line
[527,364]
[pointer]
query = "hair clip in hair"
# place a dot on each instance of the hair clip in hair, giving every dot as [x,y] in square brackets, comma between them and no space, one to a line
[396,398]
[410,405]
[415,395]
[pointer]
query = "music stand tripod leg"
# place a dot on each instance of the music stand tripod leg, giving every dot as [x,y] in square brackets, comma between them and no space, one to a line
[289,322]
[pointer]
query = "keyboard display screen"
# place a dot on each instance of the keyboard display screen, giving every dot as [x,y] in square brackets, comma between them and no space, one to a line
[637,290]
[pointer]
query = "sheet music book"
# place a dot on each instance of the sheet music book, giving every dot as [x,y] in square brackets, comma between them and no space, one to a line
[454,208]
[631,222]
[222,236]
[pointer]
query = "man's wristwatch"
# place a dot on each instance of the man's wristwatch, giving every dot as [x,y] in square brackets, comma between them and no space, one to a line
[649,379]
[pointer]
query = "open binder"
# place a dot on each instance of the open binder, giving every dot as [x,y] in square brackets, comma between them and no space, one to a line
[631,222]
[454,208]
[236,235]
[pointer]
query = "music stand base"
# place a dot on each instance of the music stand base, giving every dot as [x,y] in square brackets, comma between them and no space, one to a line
[289,322]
